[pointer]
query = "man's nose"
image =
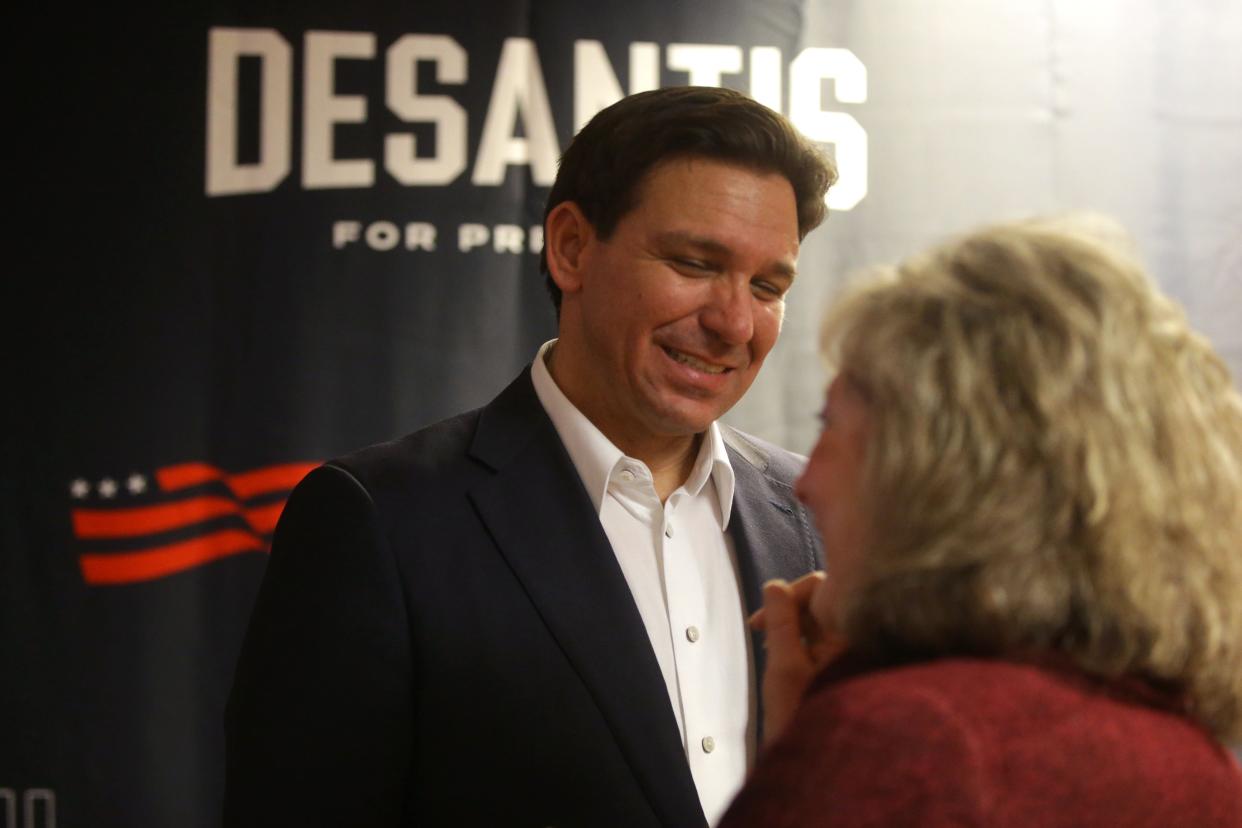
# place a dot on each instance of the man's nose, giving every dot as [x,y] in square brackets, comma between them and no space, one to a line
[730,312]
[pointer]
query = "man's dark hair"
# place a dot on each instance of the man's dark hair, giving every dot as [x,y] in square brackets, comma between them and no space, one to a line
[607,160]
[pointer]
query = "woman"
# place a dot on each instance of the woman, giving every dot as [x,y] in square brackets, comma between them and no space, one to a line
[1029,486]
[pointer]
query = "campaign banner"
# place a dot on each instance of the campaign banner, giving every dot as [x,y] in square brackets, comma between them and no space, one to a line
[297,229]
[260,235]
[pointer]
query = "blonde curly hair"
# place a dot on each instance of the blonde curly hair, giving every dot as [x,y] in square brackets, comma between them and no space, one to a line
[1054,466]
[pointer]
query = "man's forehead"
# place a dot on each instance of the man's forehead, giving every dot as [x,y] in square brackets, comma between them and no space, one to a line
[699,166]
[689,178]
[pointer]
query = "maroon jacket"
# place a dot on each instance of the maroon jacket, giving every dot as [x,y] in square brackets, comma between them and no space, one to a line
[965,742]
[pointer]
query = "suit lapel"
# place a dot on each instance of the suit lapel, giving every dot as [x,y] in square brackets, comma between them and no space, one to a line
[771,533]
[772,538]
[543,522]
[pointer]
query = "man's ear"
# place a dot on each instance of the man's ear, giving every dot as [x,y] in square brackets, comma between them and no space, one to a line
[567,233]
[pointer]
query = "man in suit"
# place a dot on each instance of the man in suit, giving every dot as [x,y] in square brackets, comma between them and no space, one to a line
[534,613]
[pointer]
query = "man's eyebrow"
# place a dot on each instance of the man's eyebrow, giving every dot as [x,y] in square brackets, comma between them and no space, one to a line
[711,246]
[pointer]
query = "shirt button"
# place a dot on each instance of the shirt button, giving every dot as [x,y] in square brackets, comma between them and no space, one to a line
[627,475]
[668,531]
[692,633]
[709,744]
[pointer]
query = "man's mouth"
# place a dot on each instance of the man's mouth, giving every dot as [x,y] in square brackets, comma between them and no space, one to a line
[694,362]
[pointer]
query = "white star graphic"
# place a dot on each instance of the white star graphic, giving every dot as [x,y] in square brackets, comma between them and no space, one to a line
[137,484]
[107,487]
[79,489]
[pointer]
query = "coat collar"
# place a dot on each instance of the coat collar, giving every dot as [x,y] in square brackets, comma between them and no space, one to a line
[541,517]
[539,514]
[772,537]
[597,458]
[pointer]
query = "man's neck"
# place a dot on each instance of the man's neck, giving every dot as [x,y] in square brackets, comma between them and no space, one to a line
[670,458]
[669,472]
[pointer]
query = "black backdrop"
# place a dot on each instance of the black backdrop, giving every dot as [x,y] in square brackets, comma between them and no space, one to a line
[183,356]
[176,355]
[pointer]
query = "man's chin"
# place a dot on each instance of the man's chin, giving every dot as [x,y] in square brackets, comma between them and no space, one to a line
[688,418]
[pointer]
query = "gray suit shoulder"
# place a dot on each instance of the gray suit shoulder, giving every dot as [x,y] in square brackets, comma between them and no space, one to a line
[779,464]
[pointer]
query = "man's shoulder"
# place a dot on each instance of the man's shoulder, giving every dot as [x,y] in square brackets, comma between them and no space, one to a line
[430,452]
[775,462]
[451,452]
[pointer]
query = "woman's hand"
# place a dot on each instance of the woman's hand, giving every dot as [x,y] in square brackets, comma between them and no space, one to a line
[798,648]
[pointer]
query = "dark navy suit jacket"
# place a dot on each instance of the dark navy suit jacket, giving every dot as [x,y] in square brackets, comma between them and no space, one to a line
[444,637]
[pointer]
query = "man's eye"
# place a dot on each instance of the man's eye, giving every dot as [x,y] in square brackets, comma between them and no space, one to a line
[692,264]
[767,289]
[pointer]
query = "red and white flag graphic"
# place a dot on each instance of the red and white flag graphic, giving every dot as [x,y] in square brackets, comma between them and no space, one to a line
[140,527]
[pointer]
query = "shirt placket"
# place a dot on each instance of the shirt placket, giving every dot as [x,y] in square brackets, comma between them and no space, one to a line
[687,617]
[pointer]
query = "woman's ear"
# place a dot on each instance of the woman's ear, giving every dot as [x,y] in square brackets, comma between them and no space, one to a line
[567,232]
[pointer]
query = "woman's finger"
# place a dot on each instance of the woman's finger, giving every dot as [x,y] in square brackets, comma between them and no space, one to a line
[801,591]
[789,665]
[781,618]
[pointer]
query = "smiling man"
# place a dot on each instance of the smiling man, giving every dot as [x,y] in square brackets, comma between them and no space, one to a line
[665,323]
[534,613]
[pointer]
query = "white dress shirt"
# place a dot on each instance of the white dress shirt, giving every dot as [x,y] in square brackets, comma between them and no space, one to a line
[681,568]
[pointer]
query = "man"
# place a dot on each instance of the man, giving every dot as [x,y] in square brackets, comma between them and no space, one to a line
[534,613]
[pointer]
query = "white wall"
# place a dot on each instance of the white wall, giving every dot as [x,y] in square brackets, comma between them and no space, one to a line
[980,110]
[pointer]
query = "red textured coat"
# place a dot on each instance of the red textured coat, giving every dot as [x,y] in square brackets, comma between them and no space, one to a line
[965,742]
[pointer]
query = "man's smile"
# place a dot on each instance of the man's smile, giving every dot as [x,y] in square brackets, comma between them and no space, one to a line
[694,362]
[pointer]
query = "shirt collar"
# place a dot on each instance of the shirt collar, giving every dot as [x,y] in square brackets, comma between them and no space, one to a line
[596,458]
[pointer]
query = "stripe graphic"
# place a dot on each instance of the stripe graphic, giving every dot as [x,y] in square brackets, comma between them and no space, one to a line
[130,567]
[244,485]
[130,531]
